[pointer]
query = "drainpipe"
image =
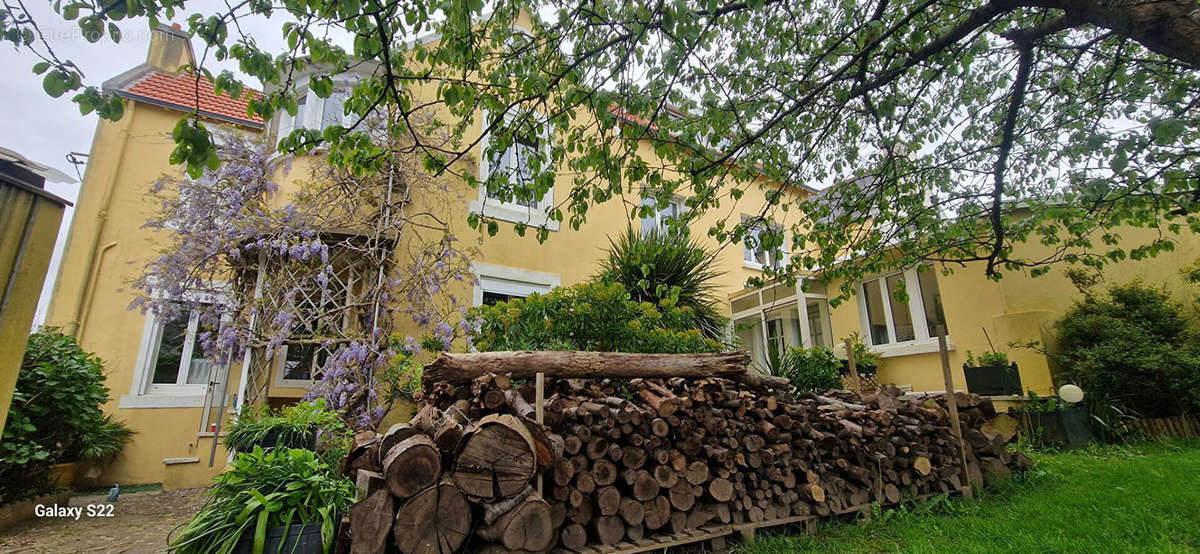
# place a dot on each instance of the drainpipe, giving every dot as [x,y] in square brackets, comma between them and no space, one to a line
[82,300]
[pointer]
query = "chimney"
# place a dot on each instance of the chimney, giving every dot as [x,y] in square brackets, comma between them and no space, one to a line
[170,48]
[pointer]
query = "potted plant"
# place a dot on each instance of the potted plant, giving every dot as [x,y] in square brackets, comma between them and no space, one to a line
[865,361]
[295,426]
[991,374]
[277,500]
[1052,421]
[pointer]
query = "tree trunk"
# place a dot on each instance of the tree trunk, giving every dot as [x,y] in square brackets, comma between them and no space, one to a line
[462,368]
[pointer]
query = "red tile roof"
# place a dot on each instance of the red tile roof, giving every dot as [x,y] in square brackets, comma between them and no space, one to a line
[179,91]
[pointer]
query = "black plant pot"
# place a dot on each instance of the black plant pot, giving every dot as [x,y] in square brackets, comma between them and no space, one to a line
[862,369]
[1068,427]
[993,380]
[274,438]
[296,539]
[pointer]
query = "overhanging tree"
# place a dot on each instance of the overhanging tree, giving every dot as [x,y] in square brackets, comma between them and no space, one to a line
[957,129]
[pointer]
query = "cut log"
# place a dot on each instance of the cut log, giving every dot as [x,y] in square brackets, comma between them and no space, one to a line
[526,526]
[608,500]
[609,529]
[462,368]
[720,490]
[393,436]
[632,512]
[574,536]
[645,486]
[371,523]
[436,520]
[412,465]
[497,459]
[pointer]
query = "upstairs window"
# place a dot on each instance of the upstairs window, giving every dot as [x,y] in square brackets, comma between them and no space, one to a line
[756,256]
[660,218]
[314,112]
[527,141]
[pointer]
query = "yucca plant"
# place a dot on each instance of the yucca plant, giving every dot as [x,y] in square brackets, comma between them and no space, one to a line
[657,265]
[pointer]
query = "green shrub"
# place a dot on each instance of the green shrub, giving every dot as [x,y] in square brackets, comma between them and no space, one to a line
[590,316]
[264,489]
[987,359]
[658,265]
[813,369]
[294,426]
[55,415]
[862,353]
[1133,348]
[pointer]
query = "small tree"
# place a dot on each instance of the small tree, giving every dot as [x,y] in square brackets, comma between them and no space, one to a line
[1132,347]
[659,265]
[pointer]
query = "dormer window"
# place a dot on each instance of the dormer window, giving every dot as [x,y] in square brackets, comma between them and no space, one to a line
[314,112]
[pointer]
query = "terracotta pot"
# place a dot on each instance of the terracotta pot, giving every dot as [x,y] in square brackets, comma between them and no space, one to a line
[63,475]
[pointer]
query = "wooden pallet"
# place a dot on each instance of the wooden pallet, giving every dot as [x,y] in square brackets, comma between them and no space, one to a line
[746,530]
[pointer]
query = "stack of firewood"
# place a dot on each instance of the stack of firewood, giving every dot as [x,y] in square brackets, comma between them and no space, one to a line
[631,452]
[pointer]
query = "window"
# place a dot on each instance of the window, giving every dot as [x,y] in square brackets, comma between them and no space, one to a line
[300,362]
[314,112]
[515,168]
[497,283]
[178,357]
[756,256]
[661,217]
[889,321]
[770,321]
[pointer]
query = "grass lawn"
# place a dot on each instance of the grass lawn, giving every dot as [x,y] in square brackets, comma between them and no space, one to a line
[1142,498]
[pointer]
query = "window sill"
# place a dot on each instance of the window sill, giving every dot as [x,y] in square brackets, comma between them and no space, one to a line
[910,348]
[514,213]
[752,265]
[134,401]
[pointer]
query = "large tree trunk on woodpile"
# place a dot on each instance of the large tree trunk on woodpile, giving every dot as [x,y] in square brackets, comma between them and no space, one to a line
[435,521]
[462,368]
[497,459]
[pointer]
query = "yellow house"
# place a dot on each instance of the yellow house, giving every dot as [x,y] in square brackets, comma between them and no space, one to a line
[173,406]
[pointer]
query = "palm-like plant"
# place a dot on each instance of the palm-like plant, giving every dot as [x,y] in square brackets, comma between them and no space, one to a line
[660,265]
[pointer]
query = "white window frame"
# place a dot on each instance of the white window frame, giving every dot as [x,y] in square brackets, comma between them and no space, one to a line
[512,281]
[770,299]
[676,202]
[750,260]
[513,212]
[923,343]
[143,392]
[314,109]
[279,369]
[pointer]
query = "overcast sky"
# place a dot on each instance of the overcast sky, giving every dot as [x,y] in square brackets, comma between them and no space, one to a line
[46,129]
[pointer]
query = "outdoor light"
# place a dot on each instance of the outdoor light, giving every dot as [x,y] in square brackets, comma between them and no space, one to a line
[1070,393]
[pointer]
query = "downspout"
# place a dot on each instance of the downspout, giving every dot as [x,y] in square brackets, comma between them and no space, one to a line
[83,299]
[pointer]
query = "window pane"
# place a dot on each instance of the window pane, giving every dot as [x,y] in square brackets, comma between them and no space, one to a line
[931,297]
[299,361]
[875,314]
[783,330]
[744,303]
[749,334]
[819,331]
[331,112]
[199,365]
[300,108]
[649,223]
[493,298]
[170,348]
[901,317]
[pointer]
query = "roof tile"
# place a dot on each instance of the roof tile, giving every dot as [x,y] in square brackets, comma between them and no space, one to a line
[180,91]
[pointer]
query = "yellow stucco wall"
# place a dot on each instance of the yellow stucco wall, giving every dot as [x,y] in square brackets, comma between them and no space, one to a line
[24,257]
[1019,309]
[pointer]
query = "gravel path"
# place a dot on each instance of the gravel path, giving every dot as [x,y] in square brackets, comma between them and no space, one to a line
[140,523]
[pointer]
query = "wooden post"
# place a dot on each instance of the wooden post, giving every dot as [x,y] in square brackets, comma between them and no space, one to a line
[952,404]
[855,384]
[539,400]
